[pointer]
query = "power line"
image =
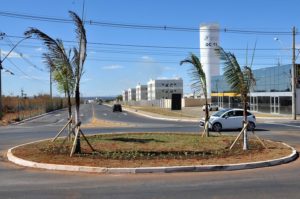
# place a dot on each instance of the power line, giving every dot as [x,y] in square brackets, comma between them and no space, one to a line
[24,58]
[25,74]
[141,26]
[155,46]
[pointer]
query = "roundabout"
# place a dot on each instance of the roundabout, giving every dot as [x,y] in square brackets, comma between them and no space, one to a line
[152,153]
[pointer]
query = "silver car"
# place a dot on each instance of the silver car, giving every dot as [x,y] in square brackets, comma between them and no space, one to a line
[230,119]
[211,107]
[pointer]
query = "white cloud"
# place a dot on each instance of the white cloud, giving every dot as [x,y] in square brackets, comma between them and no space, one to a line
[168,68]
[112,67]
[34,78]
[84,80]
[12,54]
[39,49]
[147,58]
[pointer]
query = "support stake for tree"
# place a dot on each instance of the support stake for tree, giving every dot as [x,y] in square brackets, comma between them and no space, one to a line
[86,140]
[75,141]
[204,133]
[262,143]
[239,135]
[58,134]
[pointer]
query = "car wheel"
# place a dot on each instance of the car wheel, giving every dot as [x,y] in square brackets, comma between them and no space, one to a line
[251,126]
[217,127]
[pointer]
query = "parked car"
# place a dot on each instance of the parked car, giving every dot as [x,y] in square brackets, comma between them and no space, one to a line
[117,108]
[211,107]
[229,119]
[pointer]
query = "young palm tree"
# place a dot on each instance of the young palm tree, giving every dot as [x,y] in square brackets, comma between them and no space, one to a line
[199,78]
[240,80]
[64,78]
[58,55]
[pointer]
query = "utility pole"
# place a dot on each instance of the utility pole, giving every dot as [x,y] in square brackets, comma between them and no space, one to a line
[294,76]
[1,61]
[1,113]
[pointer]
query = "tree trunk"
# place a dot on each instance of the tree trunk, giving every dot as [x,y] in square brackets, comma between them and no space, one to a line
[206,118]
[69,105]
[245,122]
[77,119]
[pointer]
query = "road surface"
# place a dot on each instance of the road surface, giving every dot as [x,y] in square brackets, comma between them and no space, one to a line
[19,182]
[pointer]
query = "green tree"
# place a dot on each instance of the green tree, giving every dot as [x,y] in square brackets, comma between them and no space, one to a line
[63,76]
[241,81]
[199,83]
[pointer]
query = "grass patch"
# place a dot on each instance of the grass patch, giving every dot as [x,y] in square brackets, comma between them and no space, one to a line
[151,149]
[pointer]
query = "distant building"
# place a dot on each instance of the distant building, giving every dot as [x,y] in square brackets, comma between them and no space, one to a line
[272,92]
[131,94]
[125,95]
[141,92]
[164,88]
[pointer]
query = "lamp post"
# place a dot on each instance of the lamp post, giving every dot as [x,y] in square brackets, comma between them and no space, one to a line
[1,68]
[294,99]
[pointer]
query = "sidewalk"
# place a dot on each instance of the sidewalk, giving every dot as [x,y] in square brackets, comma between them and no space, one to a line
[190,113]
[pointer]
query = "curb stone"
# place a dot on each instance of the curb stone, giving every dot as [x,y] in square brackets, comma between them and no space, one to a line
[171,169]
[179,119]
[37,116]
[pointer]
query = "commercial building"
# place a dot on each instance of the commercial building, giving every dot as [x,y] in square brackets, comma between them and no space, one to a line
[131,94]
[141,92]
[272,92]
[125,95]
[164,88]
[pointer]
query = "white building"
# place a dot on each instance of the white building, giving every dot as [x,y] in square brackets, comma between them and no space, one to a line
[141,92]
[209,41]
[164,88]
[125,95]
[131,94]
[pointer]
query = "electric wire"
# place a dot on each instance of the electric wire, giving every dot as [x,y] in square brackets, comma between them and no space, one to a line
[141,26]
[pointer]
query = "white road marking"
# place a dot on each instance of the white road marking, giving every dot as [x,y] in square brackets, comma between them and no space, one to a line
[289,125]
[124,113]
[105,114]
[61,120]
[57,115]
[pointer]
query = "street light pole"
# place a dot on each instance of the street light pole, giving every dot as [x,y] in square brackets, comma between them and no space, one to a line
[1,61]
[294,76]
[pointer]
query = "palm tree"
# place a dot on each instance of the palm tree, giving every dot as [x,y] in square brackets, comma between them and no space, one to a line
[59,57]
[199,78]
[63,75]
[241,81]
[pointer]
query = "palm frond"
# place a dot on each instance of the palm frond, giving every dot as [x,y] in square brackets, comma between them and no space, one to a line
[81,36]
[232,70]
[197,73]
[252,59]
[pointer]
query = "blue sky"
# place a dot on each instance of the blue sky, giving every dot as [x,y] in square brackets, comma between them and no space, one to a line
[109,69]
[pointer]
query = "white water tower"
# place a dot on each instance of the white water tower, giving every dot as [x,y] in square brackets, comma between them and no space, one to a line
[209,41]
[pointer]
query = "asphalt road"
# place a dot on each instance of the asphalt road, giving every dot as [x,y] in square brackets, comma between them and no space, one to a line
[19,182]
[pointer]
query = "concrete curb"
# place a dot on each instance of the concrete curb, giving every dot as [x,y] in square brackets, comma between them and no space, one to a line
[183,120]
[156,117]
[35,117]
[162,118]
[171,169]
